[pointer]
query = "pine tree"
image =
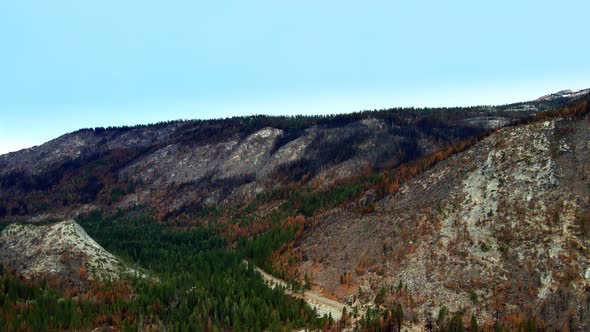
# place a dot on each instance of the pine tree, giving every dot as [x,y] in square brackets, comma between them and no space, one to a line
[398,315]
[474,325]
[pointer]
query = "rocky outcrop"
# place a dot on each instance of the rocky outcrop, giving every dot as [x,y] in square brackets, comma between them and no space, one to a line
[62,249]
[568,93]
[81,144]
[504,222]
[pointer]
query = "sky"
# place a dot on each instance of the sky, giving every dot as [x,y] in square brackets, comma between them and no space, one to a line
[66,65]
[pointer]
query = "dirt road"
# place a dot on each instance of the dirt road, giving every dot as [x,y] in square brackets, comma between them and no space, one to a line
[322,304]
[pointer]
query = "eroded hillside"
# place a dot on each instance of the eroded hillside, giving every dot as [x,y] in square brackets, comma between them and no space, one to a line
[480,211]
[500,230]
[60,250]
[180,167]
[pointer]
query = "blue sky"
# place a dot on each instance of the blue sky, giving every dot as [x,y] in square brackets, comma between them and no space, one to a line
[71,64]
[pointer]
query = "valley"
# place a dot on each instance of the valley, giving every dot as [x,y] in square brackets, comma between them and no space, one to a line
[445,219]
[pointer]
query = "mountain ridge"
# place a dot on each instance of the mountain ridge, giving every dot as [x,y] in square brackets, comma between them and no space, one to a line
[141,160]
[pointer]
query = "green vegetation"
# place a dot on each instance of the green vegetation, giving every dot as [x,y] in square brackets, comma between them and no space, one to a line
[195,284]
[307,202]
[194,281]
[35,307]
[283,223]
[376,319]
[260,248]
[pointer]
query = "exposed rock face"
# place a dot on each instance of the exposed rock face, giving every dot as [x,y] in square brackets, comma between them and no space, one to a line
[179,164]
[568,93]
[288,153]
[489,122]
[251,154]
[62,249]
[69,147]
[502,221]
[232,158]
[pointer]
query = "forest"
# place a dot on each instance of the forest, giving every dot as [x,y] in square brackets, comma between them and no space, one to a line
[194,284]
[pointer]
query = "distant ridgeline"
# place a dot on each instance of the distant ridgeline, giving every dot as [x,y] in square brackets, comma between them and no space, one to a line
[194,284]
[218,161]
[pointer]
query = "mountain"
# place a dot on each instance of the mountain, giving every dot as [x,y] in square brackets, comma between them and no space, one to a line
[60,250]
[501,229]
[433,218]
[568,93]
[180,167]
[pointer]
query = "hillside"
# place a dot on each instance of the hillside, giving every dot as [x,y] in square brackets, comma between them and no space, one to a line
[61,251]
[180,167]
[500,230]
[426,217]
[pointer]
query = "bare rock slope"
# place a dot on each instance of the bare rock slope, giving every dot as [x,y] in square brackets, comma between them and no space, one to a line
[61,249]
[500,228]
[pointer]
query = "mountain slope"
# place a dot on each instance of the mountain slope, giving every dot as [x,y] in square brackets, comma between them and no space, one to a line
[500,229]
[480,210]
[62,250]
[181,167]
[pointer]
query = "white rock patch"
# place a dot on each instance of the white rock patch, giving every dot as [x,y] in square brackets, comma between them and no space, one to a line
[34,250]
